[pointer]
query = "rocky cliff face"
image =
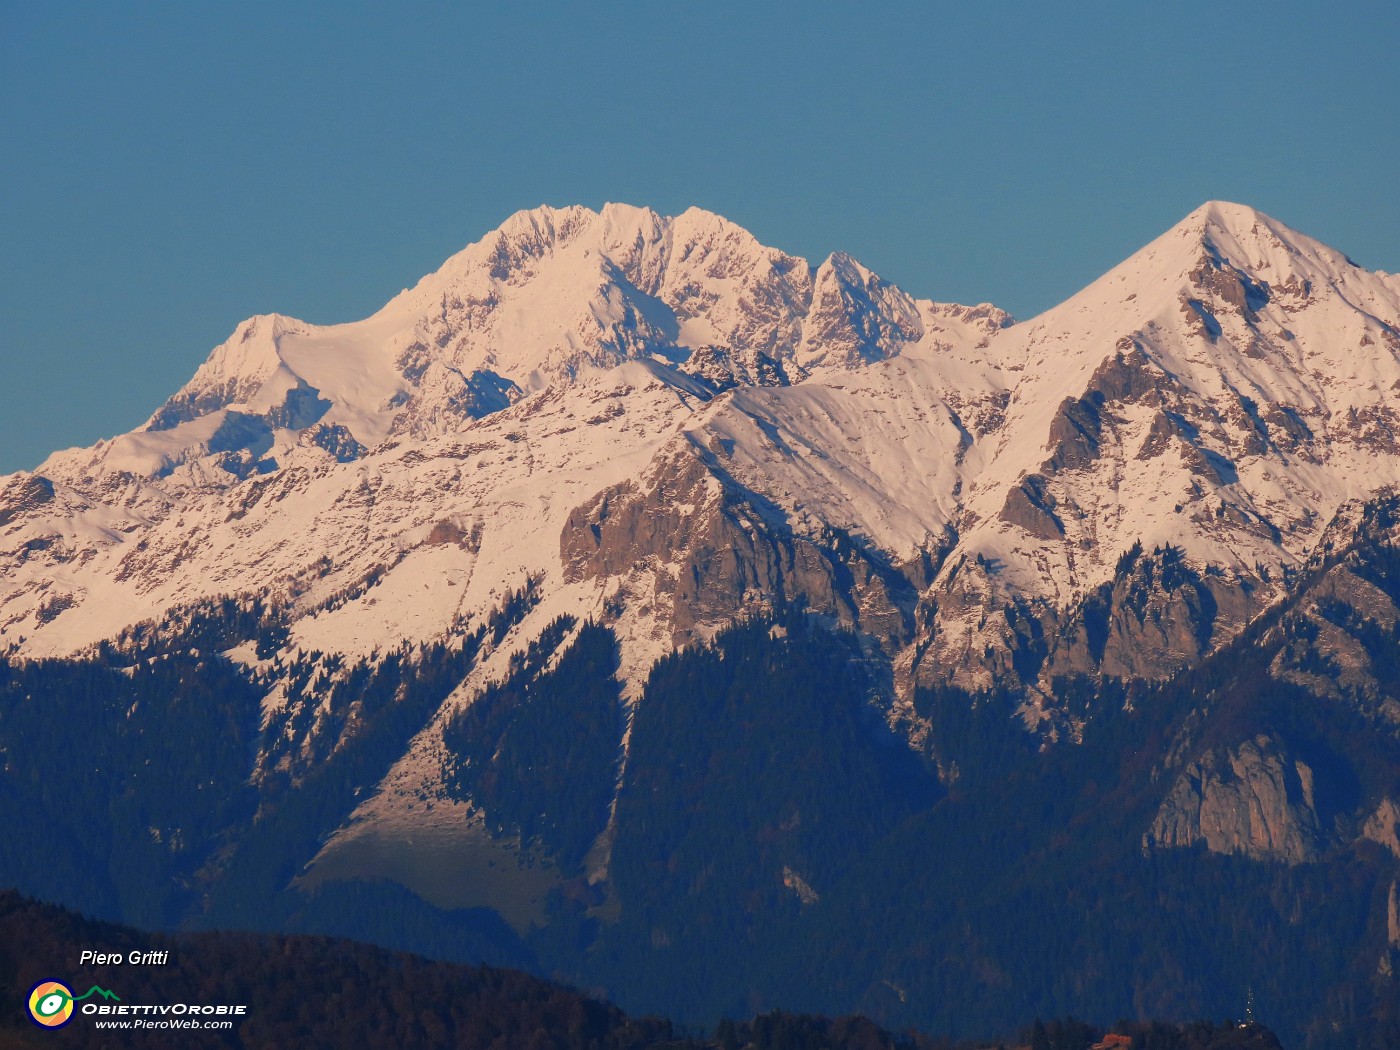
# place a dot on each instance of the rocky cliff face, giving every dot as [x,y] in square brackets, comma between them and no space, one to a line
[712,553]
[1255,800]
[1391,956]
[1157,615]
[1340,639]
[1383,826]
[1322,663]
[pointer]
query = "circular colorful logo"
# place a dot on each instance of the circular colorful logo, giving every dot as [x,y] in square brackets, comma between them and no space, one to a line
[51,1004]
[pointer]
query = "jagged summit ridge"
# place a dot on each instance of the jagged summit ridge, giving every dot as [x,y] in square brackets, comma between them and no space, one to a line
[550,294]
[1220,393]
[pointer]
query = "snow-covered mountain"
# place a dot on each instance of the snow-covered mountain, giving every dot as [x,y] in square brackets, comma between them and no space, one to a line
[668,424]
[571,343]
[378,628]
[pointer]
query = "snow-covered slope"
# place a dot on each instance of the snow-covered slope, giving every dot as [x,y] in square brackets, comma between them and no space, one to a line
[549,294]
[1222,392]
[533,315]
[1231,363]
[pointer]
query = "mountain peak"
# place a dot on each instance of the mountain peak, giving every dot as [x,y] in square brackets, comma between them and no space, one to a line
[548,295]
[1226,214]
[546,218]
[1247,239]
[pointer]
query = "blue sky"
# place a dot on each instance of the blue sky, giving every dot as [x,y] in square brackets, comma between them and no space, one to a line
[169,169]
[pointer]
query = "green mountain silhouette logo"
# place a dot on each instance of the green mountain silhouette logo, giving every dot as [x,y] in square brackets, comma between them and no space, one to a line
[98,991]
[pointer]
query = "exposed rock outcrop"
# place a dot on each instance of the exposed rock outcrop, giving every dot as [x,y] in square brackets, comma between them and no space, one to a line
[724,369]
[856,317]
[1076,430]
[1158,615]
[1383,826]
[335,439]
[24,493]
[1255,800]
[717,553]
[1342,638]
[1031,505]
